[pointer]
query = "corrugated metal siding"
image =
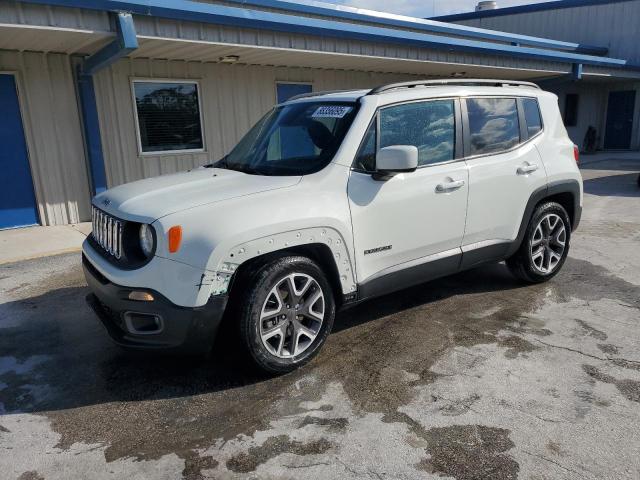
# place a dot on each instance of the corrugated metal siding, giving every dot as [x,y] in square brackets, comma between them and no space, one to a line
[164,28]
[592,108]
[62,17]
[614,26]
[53,130]
[233,98]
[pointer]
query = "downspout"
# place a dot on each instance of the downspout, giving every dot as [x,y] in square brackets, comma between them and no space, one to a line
[125,43]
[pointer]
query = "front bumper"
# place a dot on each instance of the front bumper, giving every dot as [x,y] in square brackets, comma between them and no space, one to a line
[153,325]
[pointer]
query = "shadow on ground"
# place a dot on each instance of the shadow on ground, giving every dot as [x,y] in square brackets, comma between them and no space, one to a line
[58,361]
[622,185]
[77,361]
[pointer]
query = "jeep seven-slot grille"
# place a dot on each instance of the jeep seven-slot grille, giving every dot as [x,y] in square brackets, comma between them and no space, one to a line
[107,232]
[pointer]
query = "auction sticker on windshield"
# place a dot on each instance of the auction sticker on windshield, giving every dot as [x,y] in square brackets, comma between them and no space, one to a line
[331,111]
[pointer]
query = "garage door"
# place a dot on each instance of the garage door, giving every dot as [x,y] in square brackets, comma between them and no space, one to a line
[17,200]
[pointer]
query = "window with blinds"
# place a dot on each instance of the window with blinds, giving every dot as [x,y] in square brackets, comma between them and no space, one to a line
[168,116]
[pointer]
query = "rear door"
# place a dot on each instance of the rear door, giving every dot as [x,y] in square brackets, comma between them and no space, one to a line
[504,170]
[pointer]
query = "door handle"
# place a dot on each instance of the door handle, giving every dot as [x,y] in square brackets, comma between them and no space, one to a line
[448,186]
[527,169]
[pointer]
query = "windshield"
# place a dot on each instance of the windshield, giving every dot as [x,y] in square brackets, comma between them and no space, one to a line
[296,139]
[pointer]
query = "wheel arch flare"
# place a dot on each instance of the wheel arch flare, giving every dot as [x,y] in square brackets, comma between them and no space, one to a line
[223,266]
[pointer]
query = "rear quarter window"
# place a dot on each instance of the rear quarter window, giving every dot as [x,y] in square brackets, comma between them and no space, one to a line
[532,116]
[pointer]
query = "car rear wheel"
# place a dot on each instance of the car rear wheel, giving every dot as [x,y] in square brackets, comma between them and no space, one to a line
[286,313]
[545,245]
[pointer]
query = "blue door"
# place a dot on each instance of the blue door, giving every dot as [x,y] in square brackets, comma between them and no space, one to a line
[617,135]
[285,91]
[17,200]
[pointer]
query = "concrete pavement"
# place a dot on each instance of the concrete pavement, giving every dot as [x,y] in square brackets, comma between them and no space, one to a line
[469,377]
[33,242]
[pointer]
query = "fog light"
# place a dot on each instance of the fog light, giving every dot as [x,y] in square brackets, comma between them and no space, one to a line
[140,296]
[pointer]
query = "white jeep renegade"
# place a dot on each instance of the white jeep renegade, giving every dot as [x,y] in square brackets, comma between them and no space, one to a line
[330,199]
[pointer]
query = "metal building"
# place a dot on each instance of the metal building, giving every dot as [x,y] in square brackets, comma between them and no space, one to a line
[608,103]
[97,93]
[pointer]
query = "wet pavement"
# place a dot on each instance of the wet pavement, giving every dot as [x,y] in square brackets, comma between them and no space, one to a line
[470,377]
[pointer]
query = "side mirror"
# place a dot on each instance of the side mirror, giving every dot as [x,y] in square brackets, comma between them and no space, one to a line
[395,159]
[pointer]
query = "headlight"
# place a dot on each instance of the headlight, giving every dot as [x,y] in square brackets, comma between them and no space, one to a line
[146,239]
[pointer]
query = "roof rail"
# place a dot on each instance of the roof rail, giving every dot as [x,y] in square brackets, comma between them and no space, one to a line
[448,81]
[316,94]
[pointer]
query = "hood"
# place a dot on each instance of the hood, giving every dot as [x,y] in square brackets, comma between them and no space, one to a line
[152,198]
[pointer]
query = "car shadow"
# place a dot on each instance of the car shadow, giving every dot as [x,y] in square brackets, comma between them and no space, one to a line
[55,355]
[611,164]
[621,185]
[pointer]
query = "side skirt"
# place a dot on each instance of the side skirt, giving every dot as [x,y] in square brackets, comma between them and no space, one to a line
[409,275]
[425,271]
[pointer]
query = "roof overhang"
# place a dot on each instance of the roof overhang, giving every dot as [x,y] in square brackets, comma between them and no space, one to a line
[183,10]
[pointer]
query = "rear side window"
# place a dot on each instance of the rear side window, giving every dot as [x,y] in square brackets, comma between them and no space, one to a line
[429,126]
[493,124]
[532,116]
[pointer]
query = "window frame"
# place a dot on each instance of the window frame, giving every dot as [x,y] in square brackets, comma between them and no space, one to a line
[524,118]
[458,132]
[522,125]
[136,119]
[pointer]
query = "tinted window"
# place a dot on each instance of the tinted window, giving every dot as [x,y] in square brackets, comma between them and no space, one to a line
[295,139]
[366,158]
[168,116]
[429,126]
[532,116]
[493,124]
[571,109]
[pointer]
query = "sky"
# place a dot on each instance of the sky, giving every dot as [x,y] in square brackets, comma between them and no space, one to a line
[424,8]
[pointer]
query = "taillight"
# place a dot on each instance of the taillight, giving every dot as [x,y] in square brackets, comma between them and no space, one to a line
[576,154]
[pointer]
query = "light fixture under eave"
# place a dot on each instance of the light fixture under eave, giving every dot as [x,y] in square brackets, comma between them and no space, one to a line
[229,59]
[458,74]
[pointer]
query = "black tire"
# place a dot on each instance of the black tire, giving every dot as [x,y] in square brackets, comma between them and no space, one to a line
[256,289]
[521,263]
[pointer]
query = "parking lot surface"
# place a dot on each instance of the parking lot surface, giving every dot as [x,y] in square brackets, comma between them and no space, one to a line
[470,377]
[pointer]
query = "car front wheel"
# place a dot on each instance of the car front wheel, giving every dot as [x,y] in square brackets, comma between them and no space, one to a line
[286,314]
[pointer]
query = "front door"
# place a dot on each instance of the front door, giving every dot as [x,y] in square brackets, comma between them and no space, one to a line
[17,200]
[415,216]
[619,120]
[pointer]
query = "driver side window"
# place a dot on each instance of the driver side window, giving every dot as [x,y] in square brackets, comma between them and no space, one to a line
[429,126]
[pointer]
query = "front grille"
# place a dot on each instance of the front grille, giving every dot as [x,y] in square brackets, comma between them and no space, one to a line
[107,232]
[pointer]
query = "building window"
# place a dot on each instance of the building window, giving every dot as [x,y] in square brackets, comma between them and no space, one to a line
[571,110]
[532,116]
[168,115]
[493,124]
[284,90]
[429,126]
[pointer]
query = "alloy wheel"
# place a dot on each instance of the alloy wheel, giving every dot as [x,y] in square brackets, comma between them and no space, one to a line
[292,315]
[548,243]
